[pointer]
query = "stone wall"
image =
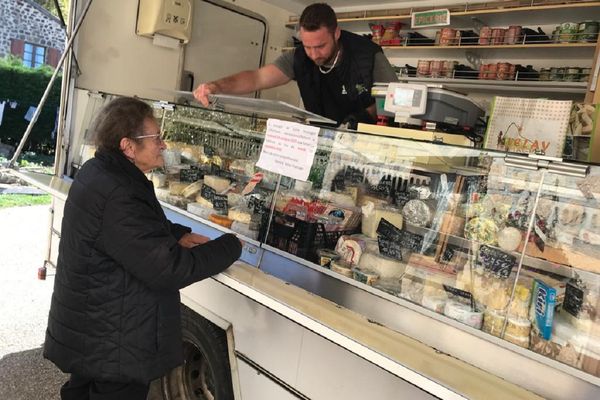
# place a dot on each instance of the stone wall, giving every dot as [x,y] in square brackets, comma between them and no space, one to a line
[28,21]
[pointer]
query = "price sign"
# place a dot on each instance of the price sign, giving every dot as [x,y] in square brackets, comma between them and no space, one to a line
[191,174]
[401,198]
[207,192]
[573,299]
[460,293]
[391,239]
[389,248]
[497,261]
[339,182]
[220,203]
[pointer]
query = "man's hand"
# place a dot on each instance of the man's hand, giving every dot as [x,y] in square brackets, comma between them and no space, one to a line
[190,240]
[201,93]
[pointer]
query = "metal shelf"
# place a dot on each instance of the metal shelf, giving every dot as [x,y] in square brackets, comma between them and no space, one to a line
[501,85]
[528,261]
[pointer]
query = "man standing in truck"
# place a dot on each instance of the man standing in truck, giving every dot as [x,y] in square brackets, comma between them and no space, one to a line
[334,69]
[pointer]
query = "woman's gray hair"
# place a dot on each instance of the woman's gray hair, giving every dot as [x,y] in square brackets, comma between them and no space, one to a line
[122,117]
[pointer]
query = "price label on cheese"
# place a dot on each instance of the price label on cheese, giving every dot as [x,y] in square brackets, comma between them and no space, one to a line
[391,238]
[191,174]
[207,192]
[220,203]
[460,293]
[389,248]
[573,300]
[497,261]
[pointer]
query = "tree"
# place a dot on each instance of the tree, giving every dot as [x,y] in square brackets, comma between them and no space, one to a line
[49,5]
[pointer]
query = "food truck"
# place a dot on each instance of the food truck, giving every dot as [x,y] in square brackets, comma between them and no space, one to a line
[397,263]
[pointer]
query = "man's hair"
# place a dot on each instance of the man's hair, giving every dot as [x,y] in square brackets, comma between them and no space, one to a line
[123,117]
[318,15]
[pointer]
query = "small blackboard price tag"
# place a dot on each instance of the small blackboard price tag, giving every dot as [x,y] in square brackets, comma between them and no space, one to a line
[339,183]
[389,248]
[460,293]
[573,299]
[220,203]
[207,192]
[384,186]
[393,237]
[448,254]
[389,230]
[497,261]
[191,174]
[401,198]
[354,175]
[208,151]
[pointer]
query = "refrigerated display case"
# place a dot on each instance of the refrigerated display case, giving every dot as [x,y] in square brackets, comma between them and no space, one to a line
[487,256]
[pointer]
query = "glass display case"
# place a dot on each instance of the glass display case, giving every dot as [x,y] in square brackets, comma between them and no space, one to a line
[503,244]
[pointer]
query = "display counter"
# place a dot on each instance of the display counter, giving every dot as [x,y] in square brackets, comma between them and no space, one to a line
[487,256]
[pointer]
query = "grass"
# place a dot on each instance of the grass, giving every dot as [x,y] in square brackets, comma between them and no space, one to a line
[22,200]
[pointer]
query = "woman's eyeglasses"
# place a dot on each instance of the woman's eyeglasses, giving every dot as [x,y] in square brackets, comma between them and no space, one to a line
[158,137]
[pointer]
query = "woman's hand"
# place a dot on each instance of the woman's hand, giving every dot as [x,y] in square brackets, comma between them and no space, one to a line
[192,239]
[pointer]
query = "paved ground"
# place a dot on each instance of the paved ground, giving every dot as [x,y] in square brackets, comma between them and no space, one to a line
[24,304]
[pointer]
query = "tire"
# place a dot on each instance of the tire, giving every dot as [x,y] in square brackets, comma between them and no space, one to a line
[205,373]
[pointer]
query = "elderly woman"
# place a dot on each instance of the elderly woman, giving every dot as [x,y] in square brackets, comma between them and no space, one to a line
[114,321]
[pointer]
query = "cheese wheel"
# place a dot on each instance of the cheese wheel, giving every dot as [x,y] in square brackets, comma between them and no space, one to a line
[221,220]
[385,267]
[349,249]
[217,183]
[417,212]
[509,238]
[463,313]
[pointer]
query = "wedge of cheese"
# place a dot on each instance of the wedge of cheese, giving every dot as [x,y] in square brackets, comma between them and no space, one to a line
[217,183]
[371,216]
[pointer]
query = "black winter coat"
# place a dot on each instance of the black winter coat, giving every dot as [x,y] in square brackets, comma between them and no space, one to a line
[115,313]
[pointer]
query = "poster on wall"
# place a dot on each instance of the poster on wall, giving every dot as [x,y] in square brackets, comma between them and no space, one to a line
[535,126]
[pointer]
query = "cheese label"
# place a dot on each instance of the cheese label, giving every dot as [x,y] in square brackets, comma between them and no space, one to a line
[191,174]
[207,192]
[220,203]
[573,300]
[495,260]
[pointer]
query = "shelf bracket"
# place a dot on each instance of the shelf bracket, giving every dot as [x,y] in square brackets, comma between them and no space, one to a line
[473,58]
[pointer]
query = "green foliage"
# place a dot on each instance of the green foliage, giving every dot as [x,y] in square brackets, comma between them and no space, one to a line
[26,86]
[22,200]
[49,5]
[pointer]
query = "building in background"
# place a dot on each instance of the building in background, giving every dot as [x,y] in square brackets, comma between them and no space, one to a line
[30,32]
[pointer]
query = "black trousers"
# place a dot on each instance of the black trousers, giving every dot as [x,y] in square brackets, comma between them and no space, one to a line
[80,388]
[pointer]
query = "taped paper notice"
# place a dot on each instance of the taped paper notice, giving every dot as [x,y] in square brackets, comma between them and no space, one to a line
[289,148]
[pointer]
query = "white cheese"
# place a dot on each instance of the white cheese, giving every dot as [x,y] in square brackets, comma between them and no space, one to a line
[176,188]
[199,210]
[203,202]
[371,217]
[192,190]
[217,183]
[383,266]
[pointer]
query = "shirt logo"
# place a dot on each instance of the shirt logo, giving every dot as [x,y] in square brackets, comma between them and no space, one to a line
[360,88]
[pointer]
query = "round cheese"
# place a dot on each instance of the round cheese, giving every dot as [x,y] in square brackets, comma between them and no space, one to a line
[509,238]
[417,212]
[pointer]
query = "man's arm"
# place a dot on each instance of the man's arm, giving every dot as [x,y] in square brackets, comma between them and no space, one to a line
[243,82]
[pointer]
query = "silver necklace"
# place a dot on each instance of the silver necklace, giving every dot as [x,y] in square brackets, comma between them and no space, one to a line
[332,65]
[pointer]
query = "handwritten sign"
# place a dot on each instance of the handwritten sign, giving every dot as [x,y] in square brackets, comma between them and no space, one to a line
[207,192]
[573,299]
[191,174]
[497,261]
[460,293]
[220,203]
[391,240]
[288,148]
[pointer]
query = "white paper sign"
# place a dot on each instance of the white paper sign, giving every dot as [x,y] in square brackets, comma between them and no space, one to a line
[289,148]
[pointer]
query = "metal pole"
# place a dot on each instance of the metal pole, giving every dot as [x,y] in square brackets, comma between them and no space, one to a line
[49,87]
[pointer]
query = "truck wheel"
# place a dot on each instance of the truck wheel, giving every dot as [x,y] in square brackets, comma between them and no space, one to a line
[205,373]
